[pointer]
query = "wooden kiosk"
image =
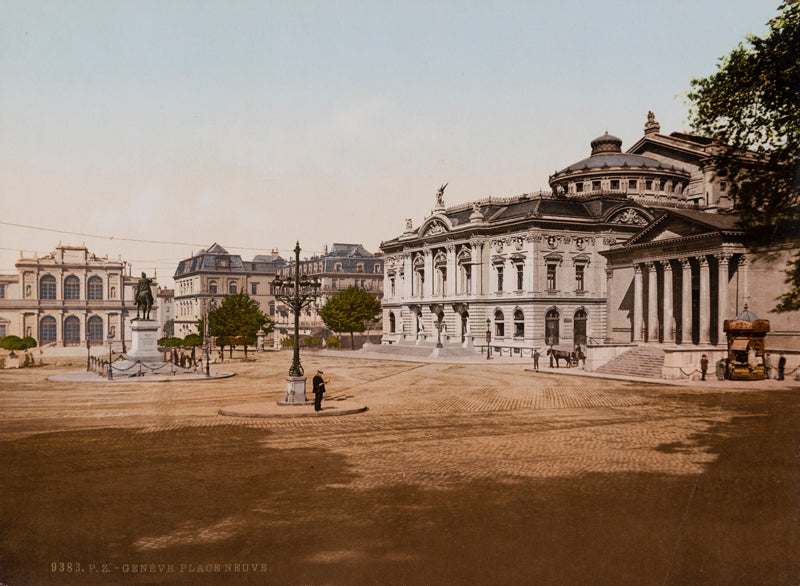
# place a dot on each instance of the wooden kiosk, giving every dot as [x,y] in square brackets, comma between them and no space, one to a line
[746,347]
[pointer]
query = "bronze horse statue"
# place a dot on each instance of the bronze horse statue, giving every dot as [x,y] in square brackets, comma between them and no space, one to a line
[144,297]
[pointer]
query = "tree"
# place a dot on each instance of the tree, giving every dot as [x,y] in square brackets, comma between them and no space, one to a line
[237,320]
[751,107]
[348,310]
[169,328]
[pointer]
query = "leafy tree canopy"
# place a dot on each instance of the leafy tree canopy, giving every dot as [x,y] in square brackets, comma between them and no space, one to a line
[751,106]
[349,310]
[237,315]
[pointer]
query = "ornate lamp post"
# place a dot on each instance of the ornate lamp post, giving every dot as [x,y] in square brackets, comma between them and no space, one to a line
[297,292]
[110,340]
[488,339]
[212,305]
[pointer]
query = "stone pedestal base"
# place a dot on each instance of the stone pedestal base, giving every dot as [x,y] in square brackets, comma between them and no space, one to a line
[295,391]
[144,341]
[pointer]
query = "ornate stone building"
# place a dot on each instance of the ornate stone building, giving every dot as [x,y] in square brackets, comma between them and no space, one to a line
[215,273]
[600,261]
[67,297]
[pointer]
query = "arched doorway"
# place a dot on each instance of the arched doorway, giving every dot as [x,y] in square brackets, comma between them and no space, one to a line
[579,337]
[551,333]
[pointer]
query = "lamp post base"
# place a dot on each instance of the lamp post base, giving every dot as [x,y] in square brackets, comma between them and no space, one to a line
[295,391]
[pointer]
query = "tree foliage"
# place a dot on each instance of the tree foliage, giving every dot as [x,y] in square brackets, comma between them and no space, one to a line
[237,320]
[349,310]
[751,106]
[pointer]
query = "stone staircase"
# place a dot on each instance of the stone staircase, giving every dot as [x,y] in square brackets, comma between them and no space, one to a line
[644,361]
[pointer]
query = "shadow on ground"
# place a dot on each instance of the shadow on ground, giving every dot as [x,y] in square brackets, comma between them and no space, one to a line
[195,497]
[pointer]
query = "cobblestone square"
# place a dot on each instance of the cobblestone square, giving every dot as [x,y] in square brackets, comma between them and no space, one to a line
[456,473]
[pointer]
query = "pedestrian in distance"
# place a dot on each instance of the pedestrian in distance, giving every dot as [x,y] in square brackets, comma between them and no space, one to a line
[319,389]
[781,367]
[536,360]
[703,366]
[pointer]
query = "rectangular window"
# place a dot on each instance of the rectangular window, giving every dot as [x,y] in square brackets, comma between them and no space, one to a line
[723,186]
[499,278]
[2,330]
[615,184]
[579,272]
[520,277]
[551,277]
[595,186]
[499,329]
[648,185]
[579,187]
[2,291]
[631,183]
[391,286]
[254,288]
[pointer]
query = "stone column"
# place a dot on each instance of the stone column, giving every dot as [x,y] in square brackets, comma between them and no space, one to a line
[452,271]
[428,285]
[638,305]
[475,267]
[652,302]
[722,301]
[705,301]
[609,328]
[408,276]
[744,269]
[686,302]
[669,327]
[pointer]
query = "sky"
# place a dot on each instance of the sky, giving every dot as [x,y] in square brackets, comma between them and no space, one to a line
[257,124]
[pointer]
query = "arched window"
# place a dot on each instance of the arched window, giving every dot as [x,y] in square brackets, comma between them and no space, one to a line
[72,287]
[579,335]
[499,324]
[519,324]
[232,288]
[47,328]
[392,323]
[47,288]
[551,328]
[95,288]
[212,287]
[72,331]
[96,329]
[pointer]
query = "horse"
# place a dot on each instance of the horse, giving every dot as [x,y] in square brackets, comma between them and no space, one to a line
[569,357]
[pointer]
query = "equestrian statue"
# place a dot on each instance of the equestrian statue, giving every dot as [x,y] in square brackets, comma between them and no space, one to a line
[144,297]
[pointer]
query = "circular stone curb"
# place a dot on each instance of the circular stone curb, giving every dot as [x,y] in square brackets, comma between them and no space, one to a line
[273,409]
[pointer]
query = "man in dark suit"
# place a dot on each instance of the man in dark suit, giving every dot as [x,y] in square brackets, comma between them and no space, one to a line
[319,389]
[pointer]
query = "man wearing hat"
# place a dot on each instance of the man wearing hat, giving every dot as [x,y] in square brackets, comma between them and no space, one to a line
[319,388]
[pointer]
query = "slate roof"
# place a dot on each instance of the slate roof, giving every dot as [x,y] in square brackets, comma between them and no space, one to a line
[208,260]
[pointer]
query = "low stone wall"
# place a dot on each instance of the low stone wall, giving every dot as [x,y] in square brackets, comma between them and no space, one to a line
[599,354]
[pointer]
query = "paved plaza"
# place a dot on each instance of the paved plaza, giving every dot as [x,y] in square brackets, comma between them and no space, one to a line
[457,473]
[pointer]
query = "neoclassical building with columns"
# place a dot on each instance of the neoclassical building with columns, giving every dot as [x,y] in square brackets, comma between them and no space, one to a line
[626,249]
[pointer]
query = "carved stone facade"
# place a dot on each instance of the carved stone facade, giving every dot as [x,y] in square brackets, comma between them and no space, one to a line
[627,248]
[68,298]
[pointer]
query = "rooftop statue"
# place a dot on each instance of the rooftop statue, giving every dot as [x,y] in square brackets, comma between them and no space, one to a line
[440,196]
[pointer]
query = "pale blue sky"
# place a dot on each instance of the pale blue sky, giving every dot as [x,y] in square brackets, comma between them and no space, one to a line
[202,121]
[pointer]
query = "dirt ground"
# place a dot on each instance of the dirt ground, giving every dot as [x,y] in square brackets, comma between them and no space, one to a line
[456,474]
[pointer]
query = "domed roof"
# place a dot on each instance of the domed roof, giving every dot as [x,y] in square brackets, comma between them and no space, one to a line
[607,143]
[607,152]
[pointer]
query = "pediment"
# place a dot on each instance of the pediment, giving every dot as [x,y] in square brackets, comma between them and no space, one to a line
[676,228]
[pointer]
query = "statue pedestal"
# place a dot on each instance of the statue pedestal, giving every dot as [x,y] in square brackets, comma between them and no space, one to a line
[144,341]
[295,391]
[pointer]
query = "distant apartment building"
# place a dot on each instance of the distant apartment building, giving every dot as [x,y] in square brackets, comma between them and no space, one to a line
[166,309]
[69,297]
[211,275]
[343,266]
